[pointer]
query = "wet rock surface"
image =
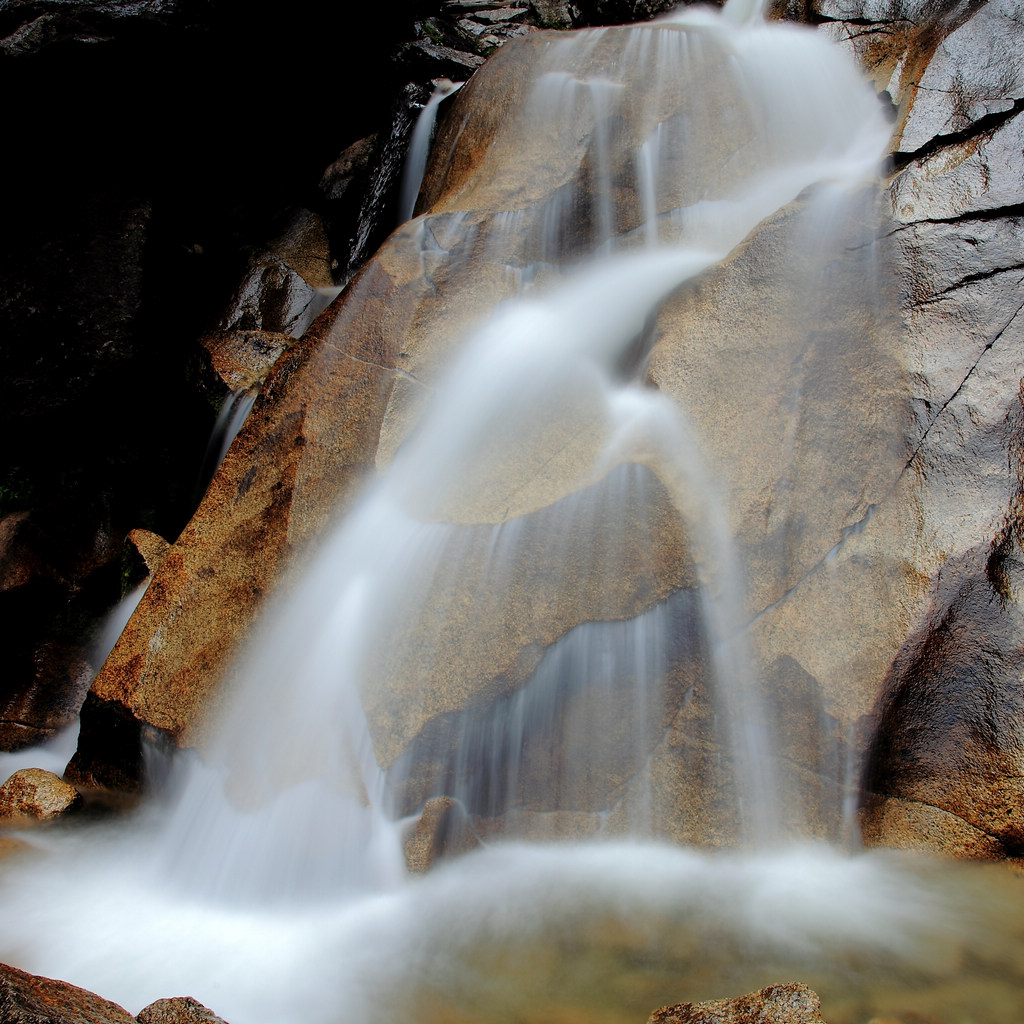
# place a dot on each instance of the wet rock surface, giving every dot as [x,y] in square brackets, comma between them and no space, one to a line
[114,266]
[906,536]
[57,572]
[930,448]
[443,829]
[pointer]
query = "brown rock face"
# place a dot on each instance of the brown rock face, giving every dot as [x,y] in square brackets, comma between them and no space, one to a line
[27,999]
[776,1004]
[860,408]
[32,794]
[341,401]
[949,733]
[180,1010]
[144,551]
[260,511]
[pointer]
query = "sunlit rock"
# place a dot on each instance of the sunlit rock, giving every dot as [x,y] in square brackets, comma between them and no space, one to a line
[955,784]
[975,175]
[144,553]
[975,73]
[32,794]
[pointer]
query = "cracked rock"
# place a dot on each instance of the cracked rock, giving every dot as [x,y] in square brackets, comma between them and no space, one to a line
[976,71]
[978,174]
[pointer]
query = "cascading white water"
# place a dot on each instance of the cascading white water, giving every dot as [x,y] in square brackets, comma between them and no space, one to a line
[270,884]
[419,149]
[231,416]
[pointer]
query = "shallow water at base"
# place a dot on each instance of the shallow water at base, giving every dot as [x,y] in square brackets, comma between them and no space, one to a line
[603,932]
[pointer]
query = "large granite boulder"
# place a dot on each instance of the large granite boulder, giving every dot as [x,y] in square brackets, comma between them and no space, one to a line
[870,463]
[945,767]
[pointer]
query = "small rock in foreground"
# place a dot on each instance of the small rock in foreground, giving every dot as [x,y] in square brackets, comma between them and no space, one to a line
[776,1004]
[33,794]
[27,999]
[181,1010]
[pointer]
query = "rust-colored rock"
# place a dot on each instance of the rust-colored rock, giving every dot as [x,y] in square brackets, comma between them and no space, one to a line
[145,552]
[776,1004]
[335,405]
[179,1010]
[28,999]
[242,358]
[302,447]
[32,795]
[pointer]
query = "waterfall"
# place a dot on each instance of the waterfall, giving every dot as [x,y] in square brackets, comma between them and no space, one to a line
[548,488]
[230,417]
[419,149]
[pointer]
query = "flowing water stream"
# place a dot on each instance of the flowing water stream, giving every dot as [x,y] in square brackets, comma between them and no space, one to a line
[269,880]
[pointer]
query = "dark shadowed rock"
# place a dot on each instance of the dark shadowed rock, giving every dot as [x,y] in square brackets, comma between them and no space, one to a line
[951,724]
[427,59]
[33,25]
[57,578]
[281,290]
[115,259]
[552,13]
[273,297]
